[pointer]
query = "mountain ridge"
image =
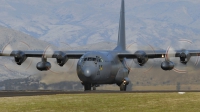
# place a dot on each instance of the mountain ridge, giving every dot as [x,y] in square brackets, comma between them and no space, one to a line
[85,22]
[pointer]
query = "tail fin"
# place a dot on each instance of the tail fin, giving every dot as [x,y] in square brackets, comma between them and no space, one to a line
[121,45]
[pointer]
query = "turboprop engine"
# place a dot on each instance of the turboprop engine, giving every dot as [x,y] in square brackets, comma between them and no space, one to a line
[61,58]
[167,65]
[19,57]
[184,56]
[142,58]
[43,65]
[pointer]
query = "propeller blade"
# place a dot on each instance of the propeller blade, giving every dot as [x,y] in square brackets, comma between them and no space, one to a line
[182,64]
[57,69]
[133,63]
[11,65]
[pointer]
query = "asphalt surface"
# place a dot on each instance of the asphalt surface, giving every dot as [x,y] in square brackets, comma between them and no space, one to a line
[38,93]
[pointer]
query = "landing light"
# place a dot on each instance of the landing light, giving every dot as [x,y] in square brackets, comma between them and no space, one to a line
[124,82]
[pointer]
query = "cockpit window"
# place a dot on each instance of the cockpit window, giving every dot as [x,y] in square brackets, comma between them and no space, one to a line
[100,60]
[97,59]
[89,59]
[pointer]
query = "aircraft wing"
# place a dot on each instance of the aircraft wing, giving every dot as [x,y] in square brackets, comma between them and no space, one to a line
[69,54]
[159,54]
[135,55]
[46,54]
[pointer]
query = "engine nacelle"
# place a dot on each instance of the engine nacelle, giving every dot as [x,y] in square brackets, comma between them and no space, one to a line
[43,65]
[142,58]
[61,58]
[184,56]
[19,57]
[167,65]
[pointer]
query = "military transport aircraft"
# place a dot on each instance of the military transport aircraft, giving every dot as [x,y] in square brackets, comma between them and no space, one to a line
[102,67]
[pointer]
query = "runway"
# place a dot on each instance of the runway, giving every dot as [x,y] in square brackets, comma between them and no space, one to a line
[38,93]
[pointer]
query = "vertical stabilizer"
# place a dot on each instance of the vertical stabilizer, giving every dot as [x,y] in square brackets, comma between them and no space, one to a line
[121,45]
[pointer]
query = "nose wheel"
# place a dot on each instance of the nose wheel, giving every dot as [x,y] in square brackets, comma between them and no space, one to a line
[87,87]
[94,87]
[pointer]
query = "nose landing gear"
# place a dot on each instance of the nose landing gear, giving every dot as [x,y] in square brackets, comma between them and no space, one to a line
[94,87]
[89,86]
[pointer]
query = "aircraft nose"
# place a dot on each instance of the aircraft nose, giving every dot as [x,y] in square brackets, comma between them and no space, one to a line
[88,71]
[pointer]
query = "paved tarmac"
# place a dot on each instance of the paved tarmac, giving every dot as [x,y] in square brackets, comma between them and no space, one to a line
[38,93]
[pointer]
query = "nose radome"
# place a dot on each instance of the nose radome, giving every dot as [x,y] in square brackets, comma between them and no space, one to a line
[88,71]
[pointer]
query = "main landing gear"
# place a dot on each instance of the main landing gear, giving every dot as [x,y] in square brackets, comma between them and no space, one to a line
[123,85]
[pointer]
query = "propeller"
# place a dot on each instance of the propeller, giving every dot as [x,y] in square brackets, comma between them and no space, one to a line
[181,49]
[142,63]
[60,62]
[19,58]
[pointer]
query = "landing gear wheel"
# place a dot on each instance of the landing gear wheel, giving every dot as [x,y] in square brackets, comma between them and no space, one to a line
[87,87]
[123,87]
[94,87]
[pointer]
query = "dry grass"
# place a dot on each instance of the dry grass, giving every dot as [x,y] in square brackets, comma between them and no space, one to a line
[137,102]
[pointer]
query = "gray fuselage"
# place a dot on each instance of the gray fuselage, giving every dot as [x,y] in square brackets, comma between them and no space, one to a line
[101,68]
